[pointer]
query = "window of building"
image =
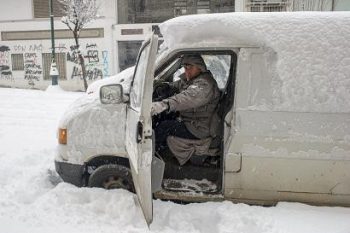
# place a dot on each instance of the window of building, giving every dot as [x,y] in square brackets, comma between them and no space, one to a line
[60,62]
[17,62]
[274,8]
[180,7]
[255,8]
[203,7]
[127,53]
[42,10]
[267,5]
[157,11]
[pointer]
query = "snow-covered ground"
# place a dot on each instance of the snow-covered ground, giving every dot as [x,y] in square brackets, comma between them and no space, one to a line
[32,199]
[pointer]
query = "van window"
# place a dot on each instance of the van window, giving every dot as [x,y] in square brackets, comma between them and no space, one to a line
[219,65]
[137,85]
[257,79]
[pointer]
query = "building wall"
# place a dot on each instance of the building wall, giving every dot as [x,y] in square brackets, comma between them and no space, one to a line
[125,25]
[292,5]
[138,18]
[98,50]
[15,10]
[342,5]
[128,40]
[157,11]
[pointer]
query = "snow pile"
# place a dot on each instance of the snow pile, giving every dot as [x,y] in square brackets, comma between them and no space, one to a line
[312,49]
[34,200]
[54,88]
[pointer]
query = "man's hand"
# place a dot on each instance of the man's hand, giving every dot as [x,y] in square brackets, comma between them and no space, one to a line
[158,107]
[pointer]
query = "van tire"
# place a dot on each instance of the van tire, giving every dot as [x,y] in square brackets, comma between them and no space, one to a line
[112,176]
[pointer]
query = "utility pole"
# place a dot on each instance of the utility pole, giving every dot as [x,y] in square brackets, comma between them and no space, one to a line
[53,70]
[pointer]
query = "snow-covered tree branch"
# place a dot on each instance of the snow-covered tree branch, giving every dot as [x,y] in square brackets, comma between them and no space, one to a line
[79,13]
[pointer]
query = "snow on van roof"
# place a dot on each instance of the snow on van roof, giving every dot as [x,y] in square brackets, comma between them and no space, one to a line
[313,51]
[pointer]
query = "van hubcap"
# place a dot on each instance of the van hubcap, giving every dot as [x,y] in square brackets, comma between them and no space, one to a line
[114,182]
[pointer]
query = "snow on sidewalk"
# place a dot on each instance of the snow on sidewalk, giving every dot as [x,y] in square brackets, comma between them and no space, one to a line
[32,200]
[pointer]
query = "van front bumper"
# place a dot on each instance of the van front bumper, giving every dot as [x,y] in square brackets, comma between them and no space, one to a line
[71,173]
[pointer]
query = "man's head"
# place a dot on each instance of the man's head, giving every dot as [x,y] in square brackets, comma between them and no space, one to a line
[194,65]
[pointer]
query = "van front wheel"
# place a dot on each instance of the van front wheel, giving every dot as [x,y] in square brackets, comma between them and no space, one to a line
[112,176]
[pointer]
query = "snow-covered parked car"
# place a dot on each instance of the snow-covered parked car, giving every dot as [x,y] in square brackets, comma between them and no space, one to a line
[284,113]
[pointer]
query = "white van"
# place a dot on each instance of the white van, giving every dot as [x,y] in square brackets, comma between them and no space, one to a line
[285,112]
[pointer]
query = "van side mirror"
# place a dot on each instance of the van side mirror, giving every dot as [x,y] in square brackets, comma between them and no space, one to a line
[111,94]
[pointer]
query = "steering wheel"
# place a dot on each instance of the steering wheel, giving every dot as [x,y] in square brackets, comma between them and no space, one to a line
[161,91]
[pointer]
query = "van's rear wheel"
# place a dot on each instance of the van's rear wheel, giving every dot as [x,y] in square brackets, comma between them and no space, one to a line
[112,176]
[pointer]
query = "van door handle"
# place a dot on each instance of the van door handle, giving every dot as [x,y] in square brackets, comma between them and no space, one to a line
[139,132]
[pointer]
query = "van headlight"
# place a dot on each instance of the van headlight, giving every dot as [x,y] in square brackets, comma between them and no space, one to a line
[62,136]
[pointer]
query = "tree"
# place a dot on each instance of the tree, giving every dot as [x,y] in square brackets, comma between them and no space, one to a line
[78,13]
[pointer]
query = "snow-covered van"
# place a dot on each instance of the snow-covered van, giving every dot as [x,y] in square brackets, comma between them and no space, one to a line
[284,80]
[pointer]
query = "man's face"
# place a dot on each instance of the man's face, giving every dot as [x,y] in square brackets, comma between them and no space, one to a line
[191,71]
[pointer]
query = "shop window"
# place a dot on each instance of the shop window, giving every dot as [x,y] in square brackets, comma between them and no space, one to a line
[42,10]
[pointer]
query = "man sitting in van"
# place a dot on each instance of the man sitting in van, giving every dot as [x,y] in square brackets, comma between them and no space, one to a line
[196,100]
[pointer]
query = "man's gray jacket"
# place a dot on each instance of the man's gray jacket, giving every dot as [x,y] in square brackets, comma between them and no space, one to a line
[196,101]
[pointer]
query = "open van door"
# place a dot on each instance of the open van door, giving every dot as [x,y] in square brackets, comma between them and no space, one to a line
[139,125]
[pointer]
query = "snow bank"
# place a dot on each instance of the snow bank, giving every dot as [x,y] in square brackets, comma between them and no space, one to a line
[34,200]
[54,89]
[312,48]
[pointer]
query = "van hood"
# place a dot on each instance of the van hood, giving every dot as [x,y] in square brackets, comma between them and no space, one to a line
[92,99]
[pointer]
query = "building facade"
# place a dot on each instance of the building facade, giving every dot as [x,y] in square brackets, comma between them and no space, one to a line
[25,46]
[292,5]
[109,44]
[136,18]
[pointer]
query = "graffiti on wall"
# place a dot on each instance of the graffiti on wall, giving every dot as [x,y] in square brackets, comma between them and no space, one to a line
[28,64]
[77,73]
[105,62]
[92,73]
[5,71]
[36,48]
[32,68]
[61,48]
[92,56]
[73,54]
[19,48]
[92,53]
[94,68]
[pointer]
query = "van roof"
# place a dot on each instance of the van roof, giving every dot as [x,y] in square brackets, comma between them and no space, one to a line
[255,29]
[312,50]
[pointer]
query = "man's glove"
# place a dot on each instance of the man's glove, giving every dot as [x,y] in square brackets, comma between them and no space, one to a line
[158,107]
[157,83]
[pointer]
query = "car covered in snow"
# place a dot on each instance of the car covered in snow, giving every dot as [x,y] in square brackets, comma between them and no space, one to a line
[284,113]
